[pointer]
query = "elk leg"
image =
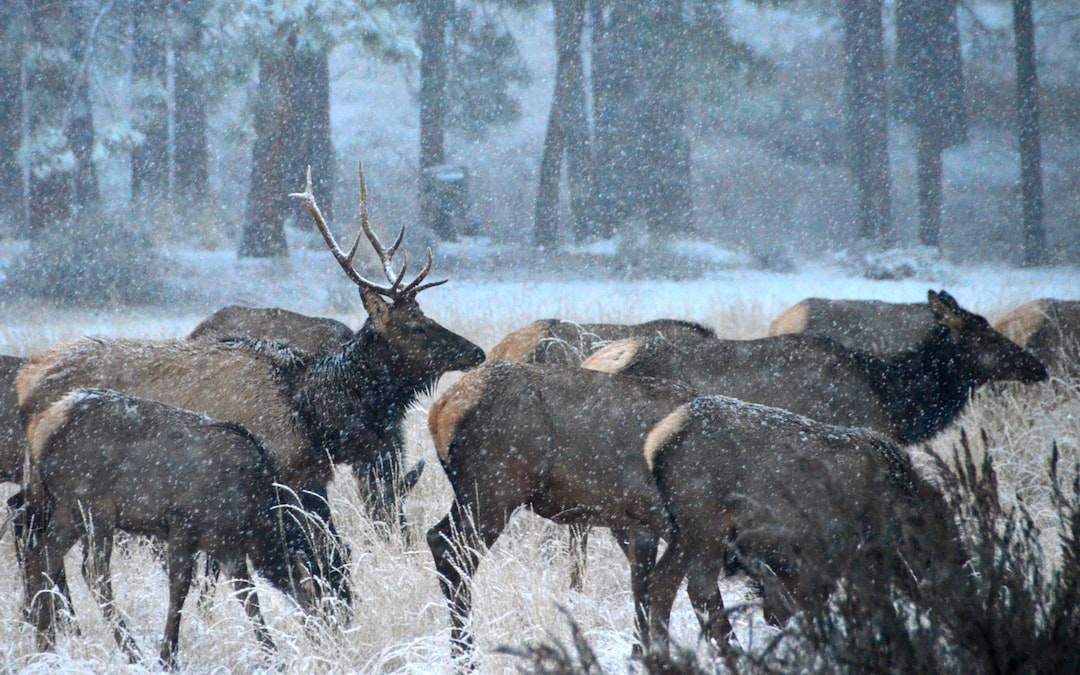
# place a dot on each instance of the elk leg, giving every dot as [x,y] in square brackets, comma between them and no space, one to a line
[332,552]
[579,549]
[454,546]
[664,584]
[183,545]
[244,586]
[708,602]
[639,547]
[96,570]
[48,543]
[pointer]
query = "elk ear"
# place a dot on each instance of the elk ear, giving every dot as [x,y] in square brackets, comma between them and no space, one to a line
[377,308]
[945,309]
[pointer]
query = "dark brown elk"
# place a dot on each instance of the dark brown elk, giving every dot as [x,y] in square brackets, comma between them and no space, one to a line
[558,341]
[796,503]
[103,461]
[1048,328]
[309,410]
[313,334]
[911,396]
[884,328]
[568,343]
[565,442]
[12,435]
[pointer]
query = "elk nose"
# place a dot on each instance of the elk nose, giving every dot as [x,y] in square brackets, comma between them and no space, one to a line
[474,357]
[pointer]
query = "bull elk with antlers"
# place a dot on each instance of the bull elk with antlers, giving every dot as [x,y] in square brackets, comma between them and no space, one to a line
[310,410]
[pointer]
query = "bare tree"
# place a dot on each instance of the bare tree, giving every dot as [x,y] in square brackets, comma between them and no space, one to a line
[149,58]
[931,96]
[434,69]
[190,150]
[567,131]
[1027,114]
[13,36]
[866,117]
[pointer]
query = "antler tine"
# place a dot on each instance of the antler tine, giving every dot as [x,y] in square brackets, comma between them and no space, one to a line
[345,261]
[415,287]
[385,256]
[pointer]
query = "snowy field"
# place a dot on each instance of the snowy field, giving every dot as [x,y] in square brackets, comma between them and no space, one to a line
[400,621]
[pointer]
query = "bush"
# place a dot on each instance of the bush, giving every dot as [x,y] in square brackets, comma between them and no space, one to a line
[88,262]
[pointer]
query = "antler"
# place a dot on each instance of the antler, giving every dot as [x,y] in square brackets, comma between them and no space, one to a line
[394,291]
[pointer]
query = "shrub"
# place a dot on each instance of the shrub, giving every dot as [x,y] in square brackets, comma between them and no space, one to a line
[91,262]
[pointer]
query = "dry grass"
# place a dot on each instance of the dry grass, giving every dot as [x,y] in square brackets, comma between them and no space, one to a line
[522,589]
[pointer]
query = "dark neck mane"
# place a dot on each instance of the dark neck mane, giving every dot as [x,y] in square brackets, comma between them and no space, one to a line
[922,390]
[354,400]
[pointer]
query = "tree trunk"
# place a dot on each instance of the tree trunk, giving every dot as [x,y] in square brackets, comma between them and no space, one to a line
[434,68]
[930,95]
[866,118]
[268,207]
[12,202]
[614,89]
[191,159]
[311,131]
[579,157]
[1027,114]
[79,131]
[150,160]
[666,200]
[565,121]
[928,161]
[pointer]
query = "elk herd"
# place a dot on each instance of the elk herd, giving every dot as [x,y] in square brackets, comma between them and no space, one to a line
[775,456]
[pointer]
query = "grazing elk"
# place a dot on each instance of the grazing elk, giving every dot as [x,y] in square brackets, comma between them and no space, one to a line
[309,410]
[12,434]
[103,461]
[565,442]
[1048,328]
[314,334]
[911,396]
[884,328]
[568,343]
[798,504]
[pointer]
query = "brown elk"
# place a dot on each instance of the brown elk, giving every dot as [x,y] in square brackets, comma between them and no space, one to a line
[565,442]
[12,435]
[562,342]
[1048,328]
[910,396]
[103,461]
[798,504]
[884,328]
[568,343]
[313,334]
[309,410]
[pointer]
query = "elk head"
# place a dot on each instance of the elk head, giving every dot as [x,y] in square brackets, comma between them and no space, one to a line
[421,347]
[987,354]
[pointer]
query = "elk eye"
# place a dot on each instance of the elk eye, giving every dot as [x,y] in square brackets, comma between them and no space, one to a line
[418,330]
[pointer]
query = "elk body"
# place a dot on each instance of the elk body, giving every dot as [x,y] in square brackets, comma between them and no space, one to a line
[557,341]
[12,434]
[309,410]
[884,328]
[103,461]
[313,334]
[796,503]
[1048,328]
[565,442]
[910,396]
